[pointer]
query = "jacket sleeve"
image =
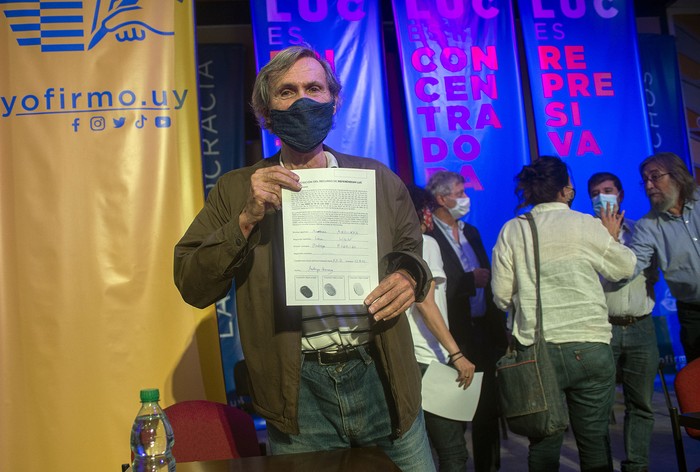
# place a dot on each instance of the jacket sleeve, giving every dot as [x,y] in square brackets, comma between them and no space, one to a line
[415,266]
[212,247]
[407,241]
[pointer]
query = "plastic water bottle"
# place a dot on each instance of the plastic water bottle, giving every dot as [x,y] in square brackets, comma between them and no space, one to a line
[152,436]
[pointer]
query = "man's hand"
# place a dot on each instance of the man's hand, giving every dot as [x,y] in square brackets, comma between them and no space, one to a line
[392,297]
[466,372]
[612,220]
[481,277]
[265,195]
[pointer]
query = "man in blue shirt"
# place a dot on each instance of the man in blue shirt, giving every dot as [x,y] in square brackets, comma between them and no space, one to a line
[670,232]
[633,336]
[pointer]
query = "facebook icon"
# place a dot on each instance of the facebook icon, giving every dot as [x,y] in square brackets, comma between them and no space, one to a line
[76,123]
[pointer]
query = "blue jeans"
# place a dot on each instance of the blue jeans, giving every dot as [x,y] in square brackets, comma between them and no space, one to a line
[586,376]
[447,437]
[637,358]
[344,405]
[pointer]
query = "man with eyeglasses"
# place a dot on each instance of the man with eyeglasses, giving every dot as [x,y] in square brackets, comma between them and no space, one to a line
[475,322]
[670,235]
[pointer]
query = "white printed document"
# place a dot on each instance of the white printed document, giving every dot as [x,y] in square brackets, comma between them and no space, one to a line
[443,396]
[330,237]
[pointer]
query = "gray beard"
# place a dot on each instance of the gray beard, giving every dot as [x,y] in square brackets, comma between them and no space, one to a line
[668,200]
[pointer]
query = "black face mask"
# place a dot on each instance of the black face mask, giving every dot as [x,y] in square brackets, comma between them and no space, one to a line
[304,125]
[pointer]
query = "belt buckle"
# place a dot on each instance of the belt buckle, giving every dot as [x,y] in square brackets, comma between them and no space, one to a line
[341,356]
[320,358]
[320,354]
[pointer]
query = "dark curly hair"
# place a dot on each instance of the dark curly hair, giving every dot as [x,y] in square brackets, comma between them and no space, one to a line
[421,198]
[541,181]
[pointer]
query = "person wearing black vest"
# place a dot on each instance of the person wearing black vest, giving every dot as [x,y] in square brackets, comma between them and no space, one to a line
[476,324]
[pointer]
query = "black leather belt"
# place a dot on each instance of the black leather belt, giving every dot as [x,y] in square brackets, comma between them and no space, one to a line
[626,320]
[337,357]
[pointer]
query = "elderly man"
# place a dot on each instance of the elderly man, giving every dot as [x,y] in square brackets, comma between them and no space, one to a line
[670,232]
[633,335]
[475,322]
[331,376]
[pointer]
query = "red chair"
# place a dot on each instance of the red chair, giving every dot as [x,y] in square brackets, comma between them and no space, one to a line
[687,386]
[208,431]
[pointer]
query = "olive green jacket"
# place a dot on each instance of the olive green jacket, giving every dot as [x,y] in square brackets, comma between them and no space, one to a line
[214,251]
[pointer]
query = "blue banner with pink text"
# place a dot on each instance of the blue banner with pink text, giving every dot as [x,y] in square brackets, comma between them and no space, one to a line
[348,35]
[464,100]
[587,93]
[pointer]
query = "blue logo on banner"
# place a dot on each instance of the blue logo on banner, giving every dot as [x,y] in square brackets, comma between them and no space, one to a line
[58,26]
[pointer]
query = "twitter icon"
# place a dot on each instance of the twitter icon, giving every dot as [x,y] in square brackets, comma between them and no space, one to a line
[119,122]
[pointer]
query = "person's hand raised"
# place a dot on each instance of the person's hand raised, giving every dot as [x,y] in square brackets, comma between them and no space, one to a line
[612,220]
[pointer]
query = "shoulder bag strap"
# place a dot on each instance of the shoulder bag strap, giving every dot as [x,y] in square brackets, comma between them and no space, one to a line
[539,331]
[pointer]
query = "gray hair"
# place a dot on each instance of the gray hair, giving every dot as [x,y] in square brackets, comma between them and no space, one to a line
[441,183]
[276,68]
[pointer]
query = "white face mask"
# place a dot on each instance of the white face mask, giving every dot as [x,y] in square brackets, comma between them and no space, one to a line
[461,208]
[601,201]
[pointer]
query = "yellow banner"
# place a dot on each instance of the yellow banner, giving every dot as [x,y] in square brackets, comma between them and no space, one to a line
[100,175]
